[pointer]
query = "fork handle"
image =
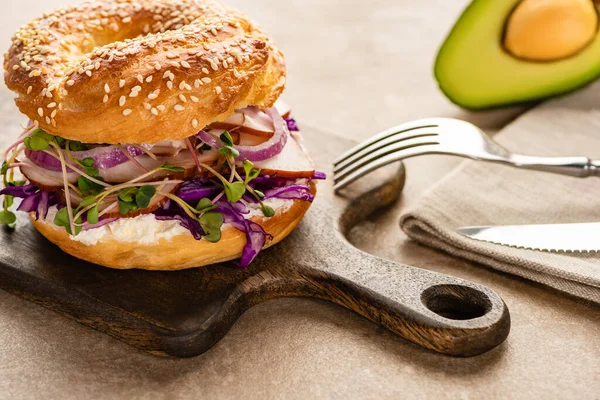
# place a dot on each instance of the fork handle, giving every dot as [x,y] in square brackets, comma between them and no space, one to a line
[581,167]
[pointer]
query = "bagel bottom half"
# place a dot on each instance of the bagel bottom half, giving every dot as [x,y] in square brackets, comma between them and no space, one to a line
[179,252]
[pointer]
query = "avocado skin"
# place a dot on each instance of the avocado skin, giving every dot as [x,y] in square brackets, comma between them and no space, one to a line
[457,88]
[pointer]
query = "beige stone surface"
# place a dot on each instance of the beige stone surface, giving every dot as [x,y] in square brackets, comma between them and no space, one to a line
[355,67]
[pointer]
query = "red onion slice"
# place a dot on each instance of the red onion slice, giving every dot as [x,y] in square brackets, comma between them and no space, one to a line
[104,157]
[260,152]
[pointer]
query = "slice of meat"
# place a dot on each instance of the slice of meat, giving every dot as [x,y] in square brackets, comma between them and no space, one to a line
[156,202]
[45,179]
[53,180]
[283,108]
[292,162]
[256,123]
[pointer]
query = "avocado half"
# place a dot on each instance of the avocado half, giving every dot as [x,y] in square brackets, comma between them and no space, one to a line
[475,71]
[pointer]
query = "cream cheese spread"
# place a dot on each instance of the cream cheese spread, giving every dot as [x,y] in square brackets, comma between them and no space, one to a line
[145,229]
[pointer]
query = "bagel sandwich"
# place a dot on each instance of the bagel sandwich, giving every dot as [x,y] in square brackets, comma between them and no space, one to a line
[156,138]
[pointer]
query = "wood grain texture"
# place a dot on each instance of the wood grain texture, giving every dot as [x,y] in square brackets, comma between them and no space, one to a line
[184,313]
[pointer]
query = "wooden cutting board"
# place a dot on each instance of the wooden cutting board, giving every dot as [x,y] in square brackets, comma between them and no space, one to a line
[184,313]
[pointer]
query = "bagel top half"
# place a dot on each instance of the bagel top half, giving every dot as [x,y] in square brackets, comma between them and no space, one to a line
[140,71]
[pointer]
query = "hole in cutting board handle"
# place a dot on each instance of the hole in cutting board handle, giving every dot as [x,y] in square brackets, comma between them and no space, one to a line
[456,302]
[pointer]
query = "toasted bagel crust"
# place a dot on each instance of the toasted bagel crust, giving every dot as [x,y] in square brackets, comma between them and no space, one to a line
[180,252]
[140,71]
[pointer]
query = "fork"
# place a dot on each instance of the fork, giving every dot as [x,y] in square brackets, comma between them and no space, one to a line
[445,136]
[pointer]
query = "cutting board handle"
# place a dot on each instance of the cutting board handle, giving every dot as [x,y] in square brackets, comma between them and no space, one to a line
[443,313]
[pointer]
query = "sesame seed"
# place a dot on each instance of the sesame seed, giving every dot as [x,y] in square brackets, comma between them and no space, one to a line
[122,101]
[152,96]
[205,70]
[53,122]
[106,88]
[122,83]
[140,79]
[41,112]
[157,65]
[195,123]
[206,79]
[36,123]
[182,98]
[197,83]
[29,89]
[53,114]
[154,111]
[15,67]
[170,85]
[149,79]
[218,89]
[194,99]
[185,64]
[70,82]
[126,20]
[182,85]
[166,74]
[51,105]
[88,73]
[161,107]
[178,107]
[48,120]
[126,112]
[147,106]
[214,65]
[175,64]
[105,99]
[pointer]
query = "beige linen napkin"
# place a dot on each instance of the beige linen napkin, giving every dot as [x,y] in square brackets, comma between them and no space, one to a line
[478,193]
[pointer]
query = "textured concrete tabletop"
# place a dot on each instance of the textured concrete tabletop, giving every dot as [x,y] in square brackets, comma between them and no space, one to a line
[355,67]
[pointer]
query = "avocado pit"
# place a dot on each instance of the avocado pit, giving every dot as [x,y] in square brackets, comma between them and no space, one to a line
[550,30]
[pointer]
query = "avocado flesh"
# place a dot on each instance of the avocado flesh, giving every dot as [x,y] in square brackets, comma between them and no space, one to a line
[475,71]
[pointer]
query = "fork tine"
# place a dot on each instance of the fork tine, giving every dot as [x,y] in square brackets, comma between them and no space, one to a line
[409,126]
[391,140]
[373,156]
[381,162]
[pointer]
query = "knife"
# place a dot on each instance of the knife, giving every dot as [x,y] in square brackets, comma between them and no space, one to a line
[584,237]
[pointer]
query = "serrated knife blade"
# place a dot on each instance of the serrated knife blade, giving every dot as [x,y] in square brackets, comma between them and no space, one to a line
[583,237]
